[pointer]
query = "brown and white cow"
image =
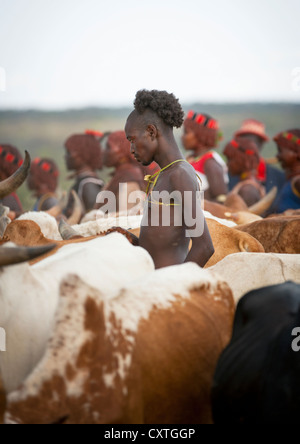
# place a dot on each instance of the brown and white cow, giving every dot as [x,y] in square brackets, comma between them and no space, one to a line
[147,355]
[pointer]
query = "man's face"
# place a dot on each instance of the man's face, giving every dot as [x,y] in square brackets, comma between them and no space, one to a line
[143,147]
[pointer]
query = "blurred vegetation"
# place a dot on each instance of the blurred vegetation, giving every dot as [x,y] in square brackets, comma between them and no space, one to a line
[43,133]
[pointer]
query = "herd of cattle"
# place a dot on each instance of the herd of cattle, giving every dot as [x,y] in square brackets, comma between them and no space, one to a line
[94,334]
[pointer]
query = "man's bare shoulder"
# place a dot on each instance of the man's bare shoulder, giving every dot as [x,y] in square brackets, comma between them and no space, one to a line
[184,177]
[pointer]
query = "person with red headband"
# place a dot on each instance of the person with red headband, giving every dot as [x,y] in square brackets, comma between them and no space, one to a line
[288,144]
[43,181]
[201,136]
[243,160]
[128,176]
[10,161]
[84,158]
[268,175]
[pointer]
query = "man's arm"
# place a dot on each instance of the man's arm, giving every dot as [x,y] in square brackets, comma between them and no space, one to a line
[193,216]
[202,248]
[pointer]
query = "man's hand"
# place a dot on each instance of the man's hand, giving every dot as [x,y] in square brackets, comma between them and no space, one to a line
[130,237]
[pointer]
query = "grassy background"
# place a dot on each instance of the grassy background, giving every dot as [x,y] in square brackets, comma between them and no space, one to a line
[43,133]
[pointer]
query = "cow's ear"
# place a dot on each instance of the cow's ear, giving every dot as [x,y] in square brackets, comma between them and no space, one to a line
[244,246]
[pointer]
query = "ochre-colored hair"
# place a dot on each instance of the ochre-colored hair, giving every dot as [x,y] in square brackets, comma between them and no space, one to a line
[119,138]
[88,148]
[10,159]
[45,172]
[289,139]
[245,150]
[205,128]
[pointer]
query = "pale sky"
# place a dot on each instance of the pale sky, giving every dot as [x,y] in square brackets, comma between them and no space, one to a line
[74,53]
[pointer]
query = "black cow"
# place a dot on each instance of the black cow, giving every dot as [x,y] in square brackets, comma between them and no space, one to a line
[257,380]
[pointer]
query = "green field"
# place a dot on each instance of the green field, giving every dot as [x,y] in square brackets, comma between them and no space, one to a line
[44,133]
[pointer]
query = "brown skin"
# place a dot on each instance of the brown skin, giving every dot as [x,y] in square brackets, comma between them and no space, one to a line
[74,162]
[167,245]
[240,165]
[290,162]
[112,155]
[213,170]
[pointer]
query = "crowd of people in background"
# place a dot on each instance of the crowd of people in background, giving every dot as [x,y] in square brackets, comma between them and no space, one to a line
[242,170]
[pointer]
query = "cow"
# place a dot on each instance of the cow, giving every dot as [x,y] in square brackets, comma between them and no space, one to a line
[10,255]
[29,295]
[245,272]
[226,240]
[146,355]
[229,241]
[277,235]
[257,377]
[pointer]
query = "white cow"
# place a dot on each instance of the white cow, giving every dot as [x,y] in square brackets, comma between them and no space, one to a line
[245,272]
[29,295]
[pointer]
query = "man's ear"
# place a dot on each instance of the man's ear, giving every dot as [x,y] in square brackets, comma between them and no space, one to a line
[152,131]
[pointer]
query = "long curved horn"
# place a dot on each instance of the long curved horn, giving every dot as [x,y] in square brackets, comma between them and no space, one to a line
[11,184]
[264,204]
[16,255]
[75,218]
[58,209]
[66,231]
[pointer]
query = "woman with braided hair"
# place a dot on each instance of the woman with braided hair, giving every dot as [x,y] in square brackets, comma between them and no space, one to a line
[10,161]
[43,181]
[243,160]
[201,136]
[84,158]
[288,144]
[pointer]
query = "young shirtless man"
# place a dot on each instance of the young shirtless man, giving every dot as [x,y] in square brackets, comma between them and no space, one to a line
[149,129]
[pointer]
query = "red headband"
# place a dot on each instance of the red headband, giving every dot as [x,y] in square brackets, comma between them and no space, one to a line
[46,167]
[94,133]
[291,137]
[10,158]
[237,146]
[203,120]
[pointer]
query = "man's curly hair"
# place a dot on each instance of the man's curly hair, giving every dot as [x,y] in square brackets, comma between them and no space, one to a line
[165,105]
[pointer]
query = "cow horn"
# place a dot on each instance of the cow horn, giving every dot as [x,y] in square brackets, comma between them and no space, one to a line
[4,221]
[66,231]
[264,204]
[11,184]
[58,209]
[16,255]
[75,218]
